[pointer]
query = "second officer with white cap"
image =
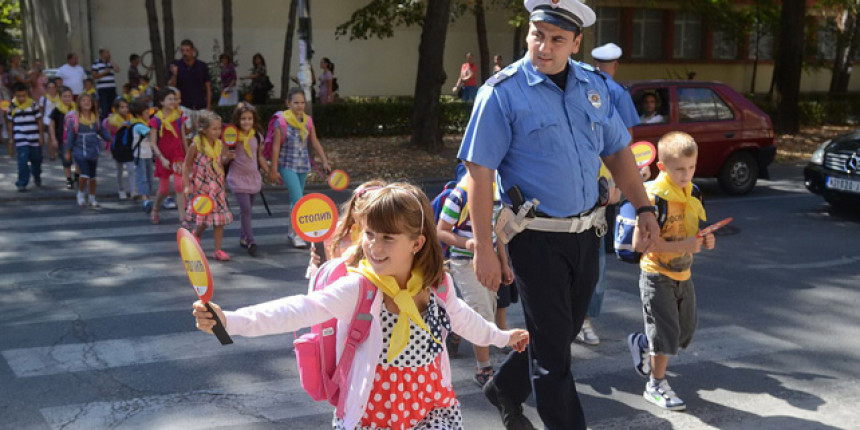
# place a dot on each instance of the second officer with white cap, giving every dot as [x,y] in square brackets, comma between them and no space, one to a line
[544,123]
[606,60]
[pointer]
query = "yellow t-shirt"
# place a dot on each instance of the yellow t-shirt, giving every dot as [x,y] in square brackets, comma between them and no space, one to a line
[675,265]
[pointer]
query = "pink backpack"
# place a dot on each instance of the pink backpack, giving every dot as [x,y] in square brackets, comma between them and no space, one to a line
[316,352]
[277,120]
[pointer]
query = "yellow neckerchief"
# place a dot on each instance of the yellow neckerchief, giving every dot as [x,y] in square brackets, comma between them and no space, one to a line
[88,121]
[243,139]
[20,107]
[63,108]
[127,97]
[212,151]
[90,91]
[294,122]
[116,120]
[664,188]
[141,88]
[55,100]
[404,301]
[167,123]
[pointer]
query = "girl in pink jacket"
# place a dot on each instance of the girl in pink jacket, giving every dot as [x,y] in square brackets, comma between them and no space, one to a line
[400,376]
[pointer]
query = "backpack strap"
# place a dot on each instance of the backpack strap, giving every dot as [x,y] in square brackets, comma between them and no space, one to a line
[662,210]
[357,332]
[444,288]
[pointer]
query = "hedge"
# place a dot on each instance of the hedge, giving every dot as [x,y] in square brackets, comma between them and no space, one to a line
[368,117]
[820,108]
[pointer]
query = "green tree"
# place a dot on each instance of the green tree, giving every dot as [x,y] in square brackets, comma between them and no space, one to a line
[10,28]
[378,19]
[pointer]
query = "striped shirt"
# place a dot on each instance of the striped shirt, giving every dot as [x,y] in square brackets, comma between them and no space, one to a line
[25,125]
[106,81]
[456,207]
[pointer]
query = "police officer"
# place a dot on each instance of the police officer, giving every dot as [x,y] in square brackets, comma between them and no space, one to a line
[606,61]
[544,122]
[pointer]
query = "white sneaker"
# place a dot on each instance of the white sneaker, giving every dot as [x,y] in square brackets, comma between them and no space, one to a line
[123,195]
[587,334]
[93,203]
[298,242]
[82,199]
[663,396]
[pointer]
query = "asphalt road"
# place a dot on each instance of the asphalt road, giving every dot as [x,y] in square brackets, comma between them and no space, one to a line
[96,332]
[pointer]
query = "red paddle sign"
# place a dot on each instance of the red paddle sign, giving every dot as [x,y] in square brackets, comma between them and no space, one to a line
[202,204]
[230,136]
[644,152]
[714,227]
[338,180]
[197,268]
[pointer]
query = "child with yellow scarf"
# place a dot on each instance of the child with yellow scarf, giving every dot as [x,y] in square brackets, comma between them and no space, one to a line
[665,284]
[401,257]
[203,174]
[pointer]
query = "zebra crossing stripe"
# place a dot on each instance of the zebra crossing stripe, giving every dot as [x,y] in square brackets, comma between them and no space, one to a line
[107,354]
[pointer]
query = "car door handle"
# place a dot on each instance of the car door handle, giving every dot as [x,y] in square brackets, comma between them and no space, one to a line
[730,135]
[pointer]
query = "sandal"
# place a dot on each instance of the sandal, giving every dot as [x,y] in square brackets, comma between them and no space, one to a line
[220,255]
[483,376]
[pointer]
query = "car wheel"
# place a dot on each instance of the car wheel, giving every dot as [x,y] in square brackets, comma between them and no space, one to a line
[739,174]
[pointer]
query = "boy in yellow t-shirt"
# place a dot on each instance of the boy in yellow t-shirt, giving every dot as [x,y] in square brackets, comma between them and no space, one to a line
[668,296]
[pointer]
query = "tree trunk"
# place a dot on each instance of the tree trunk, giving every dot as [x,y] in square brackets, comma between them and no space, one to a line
[426,112]
[788,66]
[518,44]
[845,41]
[155,44]
[227,26]
[169,45]
[288,48]
[483,44]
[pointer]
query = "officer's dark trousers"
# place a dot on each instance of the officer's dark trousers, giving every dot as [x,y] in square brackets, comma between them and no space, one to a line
[556,274]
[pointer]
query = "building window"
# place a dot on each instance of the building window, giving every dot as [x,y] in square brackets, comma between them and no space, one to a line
[764,41]
[608,25]
[826,36]
[647,34]
[688,35]
[725,46]
[702,104]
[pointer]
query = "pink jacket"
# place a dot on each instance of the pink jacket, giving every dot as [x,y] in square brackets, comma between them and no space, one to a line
[338,301]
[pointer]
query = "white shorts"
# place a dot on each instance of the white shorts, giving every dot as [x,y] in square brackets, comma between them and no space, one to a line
[477,296]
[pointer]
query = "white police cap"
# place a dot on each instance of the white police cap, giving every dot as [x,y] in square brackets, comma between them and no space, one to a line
[608,52]
[570,15]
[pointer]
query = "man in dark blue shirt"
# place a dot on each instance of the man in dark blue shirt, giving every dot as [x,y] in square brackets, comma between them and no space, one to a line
[191,77]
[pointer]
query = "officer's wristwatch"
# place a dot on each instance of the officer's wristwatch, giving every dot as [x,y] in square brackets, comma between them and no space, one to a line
[648,208]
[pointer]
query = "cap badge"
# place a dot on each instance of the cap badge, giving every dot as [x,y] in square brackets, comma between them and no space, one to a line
[594,98]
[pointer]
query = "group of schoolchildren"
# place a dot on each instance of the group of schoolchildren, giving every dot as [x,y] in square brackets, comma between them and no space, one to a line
[399,377]
[162,143]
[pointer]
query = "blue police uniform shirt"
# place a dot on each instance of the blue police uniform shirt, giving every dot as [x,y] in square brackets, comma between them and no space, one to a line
[544,140]
[622,101]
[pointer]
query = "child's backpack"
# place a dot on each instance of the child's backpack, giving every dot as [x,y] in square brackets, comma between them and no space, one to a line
[322,376]
[123,147]
[277,120]
[439,202]
[625,224]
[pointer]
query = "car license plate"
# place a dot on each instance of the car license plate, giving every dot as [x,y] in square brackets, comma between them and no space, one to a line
[843,184]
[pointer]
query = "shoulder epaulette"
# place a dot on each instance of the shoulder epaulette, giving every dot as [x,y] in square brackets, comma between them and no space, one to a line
[501,75]
[585,66]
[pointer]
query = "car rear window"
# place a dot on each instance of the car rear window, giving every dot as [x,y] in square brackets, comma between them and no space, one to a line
[702,104]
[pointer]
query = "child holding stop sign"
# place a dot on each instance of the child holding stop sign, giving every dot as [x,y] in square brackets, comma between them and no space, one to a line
[203,174]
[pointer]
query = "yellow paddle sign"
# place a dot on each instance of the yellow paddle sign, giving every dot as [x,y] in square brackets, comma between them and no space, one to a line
[202,204]
[644,152]
[338,180]
[314,217]
[197,268]
[230,136]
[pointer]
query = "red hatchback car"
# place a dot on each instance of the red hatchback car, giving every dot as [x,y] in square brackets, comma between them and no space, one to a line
[735,137]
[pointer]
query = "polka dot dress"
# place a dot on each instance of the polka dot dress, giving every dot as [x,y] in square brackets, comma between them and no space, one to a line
[407,392]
